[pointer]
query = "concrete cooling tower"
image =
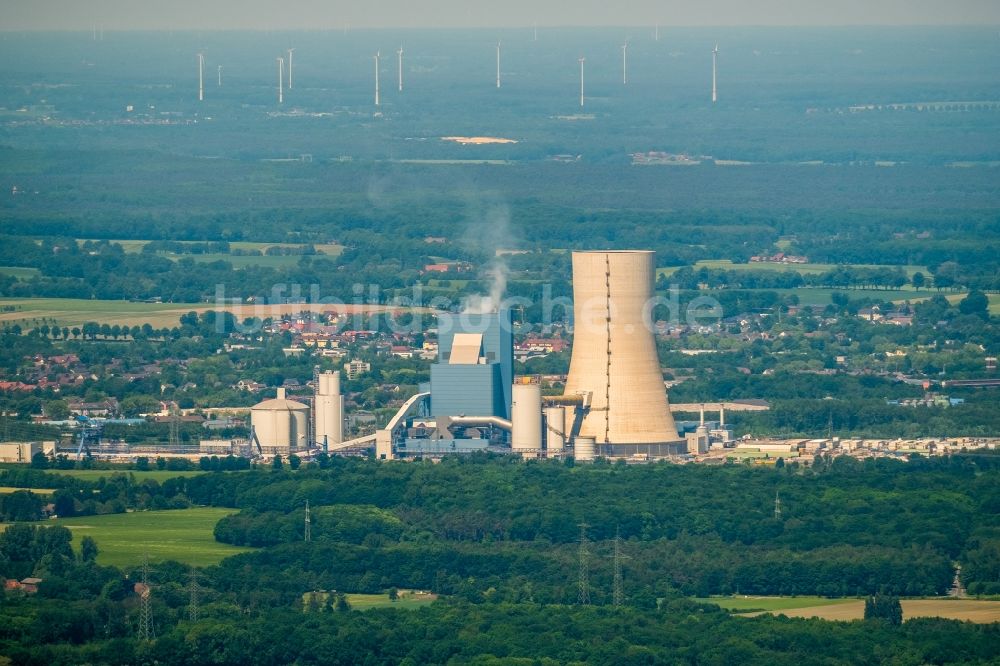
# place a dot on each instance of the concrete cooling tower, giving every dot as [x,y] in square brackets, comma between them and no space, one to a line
[614,355]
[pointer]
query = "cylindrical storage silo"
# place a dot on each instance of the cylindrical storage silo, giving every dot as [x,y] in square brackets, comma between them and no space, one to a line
[555,430]
[282,425]
[329,421]
[526,418]
[583,449]
[614,358]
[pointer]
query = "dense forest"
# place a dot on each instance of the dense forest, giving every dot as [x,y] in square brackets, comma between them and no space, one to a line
[500,542]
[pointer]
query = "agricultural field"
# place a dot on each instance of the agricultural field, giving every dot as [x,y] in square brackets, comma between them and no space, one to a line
[6,490]
[77,311]
[408,599]
[135,246]
[971,610]
[18,272]
[824,296]
[184,535]
[804,269]
[94,474]
[71,312]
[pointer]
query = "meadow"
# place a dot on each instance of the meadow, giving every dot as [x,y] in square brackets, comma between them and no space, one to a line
[29,312]
[804,269]
[157,475]
[408,600]
[135,246]
[19,272]
[971,610]
[125,539]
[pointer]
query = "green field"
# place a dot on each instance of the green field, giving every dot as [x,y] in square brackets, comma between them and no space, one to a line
[135,246]
[6,490]
[408,600]
[18,272]
[847,609]
[744,604]
[804,269]
[824,296]
[242,261]
[77,311]
[124,539]
[94,474]
[994,300]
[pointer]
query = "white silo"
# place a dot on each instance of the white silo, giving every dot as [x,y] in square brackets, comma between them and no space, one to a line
[614,355]
[584,449]
[526,418]
[281,425]
[329,420]
[555,430]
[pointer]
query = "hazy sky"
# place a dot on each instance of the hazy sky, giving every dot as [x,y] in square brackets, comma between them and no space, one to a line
[321,14]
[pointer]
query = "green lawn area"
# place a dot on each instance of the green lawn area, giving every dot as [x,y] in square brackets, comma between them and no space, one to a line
[824,296]
[242,261]
[726,264]
[19,272]
[94,474]
[994,300]
[76,311]
[6,490]
[135,246]
[184,535]
[741,603]
[408,599]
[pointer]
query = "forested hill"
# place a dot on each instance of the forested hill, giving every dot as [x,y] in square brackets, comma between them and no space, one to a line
[845,527]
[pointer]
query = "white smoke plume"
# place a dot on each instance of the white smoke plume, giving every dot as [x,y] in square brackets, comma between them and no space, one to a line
[489,230]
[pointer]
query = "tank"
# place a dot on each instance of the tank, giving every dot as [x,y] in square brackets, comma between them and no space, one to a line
[282,425]
[526,418]
[555,430]
[328,419]
[583,449]
[614,358]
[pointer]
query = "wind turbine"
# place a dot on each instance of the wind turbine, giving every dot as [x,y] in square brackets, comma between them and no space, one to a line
[201,77]
[220,76]
[582,59]
[536,31]
[715,58]
[498,64]
[656,31]
[378,100]
[290,52]
[625,63]
[281,80]
[400,54]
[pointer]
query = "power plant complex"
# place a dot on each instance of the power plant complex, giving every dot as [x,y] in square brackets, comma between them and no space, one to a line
[614,403]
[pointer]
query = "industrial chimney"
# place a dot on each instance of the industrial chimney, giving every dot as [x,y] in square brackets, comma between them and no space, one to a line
[614,355]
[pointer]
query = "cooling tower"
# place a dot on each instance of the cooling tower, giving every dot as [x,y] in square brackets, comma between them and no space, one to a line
[614,355]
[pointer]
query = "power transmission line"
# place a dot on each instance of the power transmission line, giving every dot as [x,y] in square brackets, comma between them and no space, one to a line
[308,523]
[584,580]
[145,609]
[193,592]
[618,594]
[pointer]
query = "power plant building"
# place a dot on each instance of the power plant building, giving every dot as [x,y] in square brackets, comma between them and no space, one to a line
[614,403]
[474,372]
